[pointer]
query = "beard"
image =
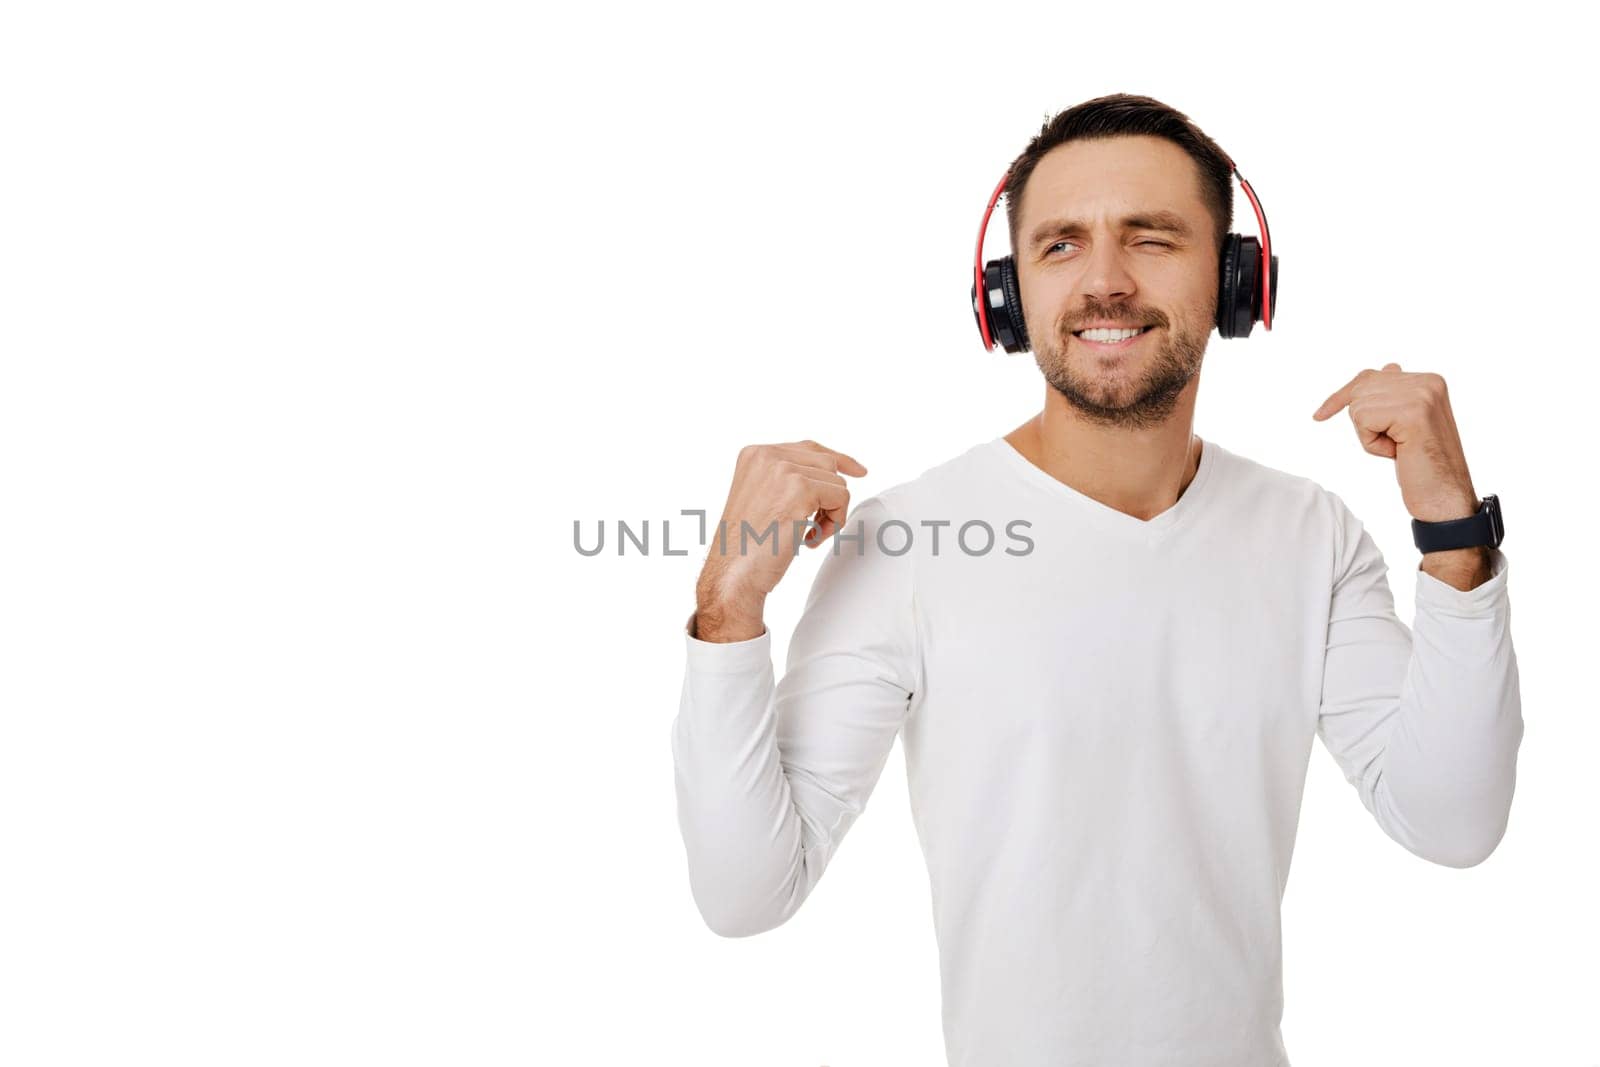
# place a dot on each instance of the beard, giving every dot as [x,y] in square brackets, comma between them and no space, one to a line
[1137,392]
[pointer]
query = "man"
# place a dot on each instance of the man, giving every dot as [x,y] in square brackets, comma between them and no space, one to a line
[1107,719]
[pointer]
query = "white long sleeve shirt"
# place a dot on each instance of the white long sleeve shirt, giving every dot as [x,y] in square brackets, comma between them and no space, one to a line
[1107,723]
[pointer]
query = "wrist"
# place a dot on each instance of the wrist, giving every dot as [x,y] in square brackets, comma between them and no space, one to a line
[1460,568]
[715,624]
[1462,505]
[724,613]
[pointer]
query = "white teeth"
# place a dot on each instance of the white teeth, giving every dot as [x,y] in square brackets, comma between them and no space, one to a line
[1108,335]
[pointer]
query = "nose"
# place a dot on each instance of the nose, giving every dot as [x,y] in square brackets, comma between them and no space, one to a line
[1106,276]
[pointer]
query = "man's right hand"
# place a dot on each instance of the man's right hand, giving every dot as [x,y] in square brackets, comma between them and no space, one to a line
[776,489]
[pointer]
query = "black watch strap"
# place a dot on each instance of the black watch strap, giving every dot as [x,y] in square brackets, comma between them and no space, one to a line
[1485,527]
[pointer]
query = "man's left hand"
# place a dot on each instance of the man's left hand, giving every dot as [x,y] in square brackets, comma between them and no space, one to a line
[1406,417]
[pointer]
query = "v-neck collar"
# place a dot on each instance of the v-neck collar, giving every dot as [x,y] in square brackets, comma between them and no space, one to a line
[1109,517]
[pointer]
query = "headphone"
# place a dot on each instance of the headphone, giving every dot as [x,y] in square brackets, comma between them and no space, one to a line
[1247,285]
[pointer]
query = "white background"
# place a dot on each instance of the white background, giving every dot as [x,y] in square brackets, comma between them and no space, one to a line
[323,322]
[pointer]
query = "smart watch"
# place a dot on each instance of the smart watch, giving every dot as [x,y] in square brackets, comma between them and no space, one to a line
[1485,527]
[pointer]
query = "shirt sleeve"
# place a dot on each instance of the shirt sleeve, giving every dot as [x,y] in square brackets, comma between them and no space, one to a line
[769,778]
[1425,725]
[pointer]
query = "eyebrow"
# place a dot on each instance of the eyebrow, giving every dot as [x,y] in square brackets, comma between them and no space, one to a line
[1167,221]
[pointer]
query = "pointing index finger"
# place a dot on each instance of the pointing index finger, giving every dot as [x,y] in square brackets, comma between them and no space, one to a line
[1337,401]
[847,464]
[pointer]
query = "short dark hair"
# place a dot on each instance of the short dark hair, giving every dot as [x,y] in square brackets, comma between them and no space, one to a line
[1122,115]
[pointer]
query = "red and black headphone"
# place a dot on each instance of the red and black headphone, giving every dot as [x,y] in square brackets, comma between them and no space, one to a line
[1247,293]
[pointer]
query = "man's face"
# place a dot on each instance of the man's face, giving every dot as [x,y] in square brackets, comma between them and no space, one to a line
[1111,260]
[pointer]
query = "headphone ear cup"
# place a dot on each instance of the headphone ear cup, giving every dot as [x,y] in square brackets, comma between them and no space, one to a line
[1005,318]
[1225,287]
[1274,287]
[1013,291]
[1239,286]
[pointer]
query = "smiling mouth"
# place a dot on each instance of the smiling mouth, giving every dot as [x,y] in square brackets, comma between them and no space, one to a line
[1112,344]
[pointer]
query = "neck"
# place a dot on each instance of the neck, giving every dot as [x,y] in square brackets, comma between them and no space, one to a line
[1139,471]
